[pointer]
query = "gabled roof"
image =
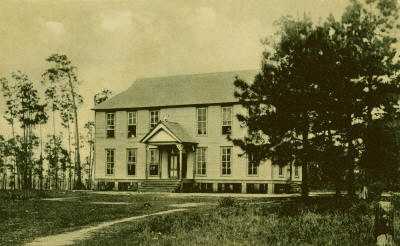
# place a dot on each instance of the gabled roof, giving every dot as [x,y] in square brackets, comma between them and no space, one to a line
[174,130]
[194,89]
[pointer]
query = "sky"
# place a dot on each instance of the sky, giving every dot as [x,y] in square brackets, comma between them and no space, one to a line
[114,42]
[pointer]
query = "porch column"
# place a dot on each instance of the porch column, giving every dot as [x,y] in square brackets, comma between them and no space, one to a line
[146,170]
[159,161]
[180,148]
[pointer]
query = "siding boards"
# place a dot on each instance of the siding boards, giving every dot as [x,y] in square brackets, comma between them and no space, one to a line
[185,116]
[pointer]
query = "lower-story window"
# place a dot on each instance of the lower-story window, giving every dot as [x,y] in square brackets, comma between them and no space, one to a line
[110,161]
[226,153]
[154,165]
[296,171]
[252,166]
[131,161]
[201,161]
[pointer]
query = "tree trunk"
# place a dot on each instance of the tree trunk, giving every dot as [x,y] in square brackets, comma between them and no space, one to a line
[25,160]
[41,159]
[69,157]
[78,183]
[14,161]
[351,164]
[4,180]
[305,185]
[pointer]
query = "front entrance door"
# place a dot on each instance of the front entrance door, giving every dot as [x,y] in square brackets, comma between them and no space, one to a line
[173,166]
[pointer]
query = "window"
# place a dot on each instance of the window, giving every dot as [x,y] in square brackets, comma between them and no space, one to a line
[110,130]
[280,171]
[201,161]
[110,160]
[226,160]
[296,171]
[201,121]
[154,118]
[132,124]
[131,161]
[252,165]
[226,120]
[153,162]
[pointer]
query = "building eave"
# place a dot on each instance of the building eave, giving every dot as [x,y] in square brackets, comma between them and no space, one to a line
[163,106]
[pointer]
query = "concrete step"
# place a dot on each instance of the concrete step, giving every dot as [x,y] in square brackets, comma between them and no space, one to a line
[158,190]
[160,186]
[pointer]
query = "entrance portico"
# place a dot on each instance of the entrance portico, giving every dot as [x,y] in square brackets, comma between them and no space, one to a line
[168,149]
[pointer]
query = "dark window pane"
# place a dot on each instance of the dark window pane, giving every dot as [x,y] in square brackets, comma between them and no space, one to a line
[131,131]
[110,133]
[131,169]
[154,169]
[226,130]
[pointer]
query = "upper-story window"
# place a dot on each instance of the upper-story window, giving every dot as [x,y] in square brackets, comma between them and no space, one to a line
[252,165]
[154,118]
[226,159]
[201,121]
[226,120]
[132,124]
[110,129]
[201,161]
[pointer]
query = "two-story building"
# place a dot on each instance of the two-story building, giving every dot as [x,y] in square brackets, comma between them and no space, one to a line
[171,132]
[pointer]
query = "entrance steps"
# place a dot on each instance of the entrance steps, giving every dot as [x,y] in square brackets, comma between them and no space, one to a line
[294,187]
[160,186]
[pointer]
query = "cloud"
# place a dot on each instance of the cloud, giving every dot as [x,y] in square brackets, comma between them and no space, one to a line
[55,27]
[116,20]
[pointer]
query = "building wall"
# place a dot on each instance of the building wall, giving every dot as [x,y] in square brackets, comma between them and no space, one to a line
[186,117]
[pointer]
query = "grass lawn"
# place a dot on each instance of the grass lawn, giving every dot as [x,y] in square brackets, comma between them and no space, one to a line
[250,221]
[22,220]
[325,222]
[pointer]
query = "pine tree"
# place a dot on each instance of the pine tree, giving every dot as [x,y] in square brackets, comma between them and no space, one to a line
[319,86]
[64,72]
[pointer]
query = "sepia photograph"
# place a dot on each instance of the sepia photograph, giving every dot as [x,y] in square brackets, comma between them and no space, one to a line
[208,122]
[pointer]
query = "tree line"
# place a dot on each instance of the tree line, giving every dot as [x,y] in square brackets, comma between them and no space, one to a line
[30,160]
[327,98]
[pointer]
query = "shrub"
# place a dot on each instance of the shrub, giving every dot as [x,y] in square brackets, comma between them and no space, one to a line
[375,190]
[23,194]
[133,187]
[226,202]
[290,209]
[360,208]
[109,186]
[396,201]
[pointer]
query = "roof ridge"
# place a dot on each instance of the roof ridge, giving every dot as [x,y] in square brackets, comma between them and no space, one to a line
[195,74]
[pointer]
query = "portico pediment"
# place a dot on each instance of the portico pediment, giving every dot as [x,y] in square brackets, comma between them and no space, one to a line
[162,136]
[167,132]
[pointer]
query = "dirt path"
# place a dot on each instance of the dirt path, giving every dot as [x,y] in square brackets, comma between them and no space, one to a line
[68,238]
[192,204]
[61,198]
